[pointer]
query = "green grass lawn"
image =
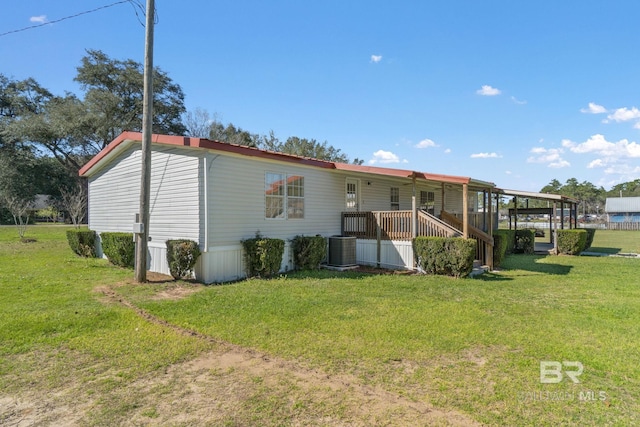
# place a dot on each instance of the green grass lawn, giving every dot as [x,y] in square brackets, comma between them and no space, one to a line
[473,346]
[612,242]
[54,330]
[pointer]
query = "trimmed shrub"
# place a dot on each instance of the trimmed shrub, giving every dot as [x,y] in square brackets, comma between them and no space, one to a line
[262,256]
[82,243]
[591,233]
[308,251]
[449,256]
[499,248]
[525,242]
[181,257]
[119,248]
[571,242]
[510,239]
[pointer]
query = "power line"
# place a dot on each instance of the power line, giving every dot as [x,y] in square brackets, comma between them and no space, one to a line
[132,2]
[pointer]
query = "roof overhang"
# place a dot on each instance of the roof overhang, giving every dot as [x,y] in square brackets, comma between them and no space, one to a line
[539,196]
[409,174]
[126,139]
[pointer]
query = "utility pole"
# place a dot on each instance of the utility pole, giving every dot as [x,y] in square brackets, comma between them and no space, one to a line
[142,238]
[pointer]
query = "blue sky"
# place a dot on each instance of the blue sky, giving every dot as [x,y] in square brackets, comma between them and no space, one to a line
[517,93]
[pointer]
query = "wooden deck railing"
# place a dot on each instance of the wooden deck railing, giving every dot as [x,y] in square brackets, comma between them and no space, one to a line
[484,242]
[386,225]
[429,225]
[476,219]
[396,225]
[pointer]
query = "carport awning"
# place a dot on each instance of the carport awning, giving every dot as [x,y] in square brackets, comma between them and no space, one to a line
[539,196]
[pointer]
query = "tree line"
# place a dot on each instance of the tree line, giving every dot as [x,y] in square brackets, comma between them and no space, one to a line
[591,199]
[46,138]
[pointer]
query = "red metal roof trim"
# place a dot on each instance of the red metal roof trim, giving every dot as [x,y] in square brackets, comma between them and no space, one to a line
[185,141]
[403,173]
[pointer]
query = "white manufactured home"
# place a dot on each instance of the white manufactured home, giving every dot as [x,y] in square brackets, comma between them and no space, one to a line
[218,194]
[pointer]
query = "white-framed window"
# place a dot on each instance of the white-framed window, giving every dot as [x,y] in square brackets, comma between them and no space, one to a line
[295,197]
[428,201]
[351,201]
[283,196]
[394,197]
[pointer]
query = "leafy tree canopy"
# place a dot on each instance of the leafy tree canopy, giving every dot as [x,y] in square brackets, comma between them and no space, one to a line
[201,124]
[114,94]
[72,129]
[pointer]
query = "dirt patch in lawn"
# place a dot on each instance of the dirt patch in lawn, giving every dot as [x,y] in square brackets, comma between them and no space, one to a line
[229,385]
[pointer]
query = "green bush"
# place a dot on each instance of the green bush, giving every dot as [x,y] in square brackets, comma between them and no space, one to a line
[509,236]
[262,256]
[83,243]
[499,248]
[525,242]
[308,251]
[119,248]
[571,242]
[181,257]
[591,232]
[450,256]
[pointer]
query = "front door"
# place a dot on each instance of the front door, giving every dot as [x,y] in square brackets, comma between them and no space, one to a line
[352,193]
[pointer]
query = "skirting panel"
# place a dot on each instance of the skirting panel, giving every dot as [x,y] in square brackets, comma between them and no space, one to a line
[158,258]
[393,253]
[226,264]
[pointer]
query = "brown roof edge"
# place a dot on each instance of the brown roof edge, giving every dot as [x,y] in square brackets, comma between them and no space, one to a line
[186,141]
[404,173]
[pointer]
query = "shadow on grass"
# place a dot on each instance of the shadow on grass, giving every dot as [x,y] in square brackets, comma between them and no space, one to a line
[532,263]
[604,250]
[492,277]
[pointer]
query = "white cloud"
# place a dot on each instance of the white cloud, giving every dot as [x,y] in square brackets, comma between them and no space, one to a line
[382,156]
[376,58]
[517,101]
[598,144]
[551,156]
[508,172]
[41,19]
[597,163]
[487,90]
[426,143]
[559,164]
[447,151]
[630,172]
[594,109]
[485,156]
[624,115]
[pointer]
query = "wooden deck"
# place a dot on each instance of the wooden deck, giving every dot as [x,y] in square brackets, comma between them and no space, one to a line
[398,226]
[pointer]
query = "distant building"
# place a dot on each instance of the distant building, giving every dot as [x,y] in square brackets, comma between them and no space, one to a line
[623,213]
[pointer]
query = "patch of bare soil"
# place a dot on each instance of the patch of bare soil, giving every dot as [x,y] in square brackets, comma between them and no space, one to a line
[230,385]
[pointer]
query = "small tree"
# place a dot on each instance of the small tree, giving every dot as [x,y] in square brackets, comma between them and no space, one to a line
[19,208]
[75,203]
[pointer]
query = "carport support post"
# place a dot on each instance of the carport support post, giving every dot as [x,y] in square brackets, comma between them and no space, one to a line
[465,210]
[378,238]
[490,227]
[555,228]
[414,214]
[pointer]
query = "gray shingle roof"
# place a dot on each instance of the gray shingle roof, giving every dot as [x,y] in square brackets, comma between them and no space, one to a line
[622,204]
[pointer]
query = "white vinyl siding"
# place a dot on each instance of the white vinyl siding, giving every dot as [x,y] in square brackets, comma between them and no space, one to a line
[236,200]
[175,194]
